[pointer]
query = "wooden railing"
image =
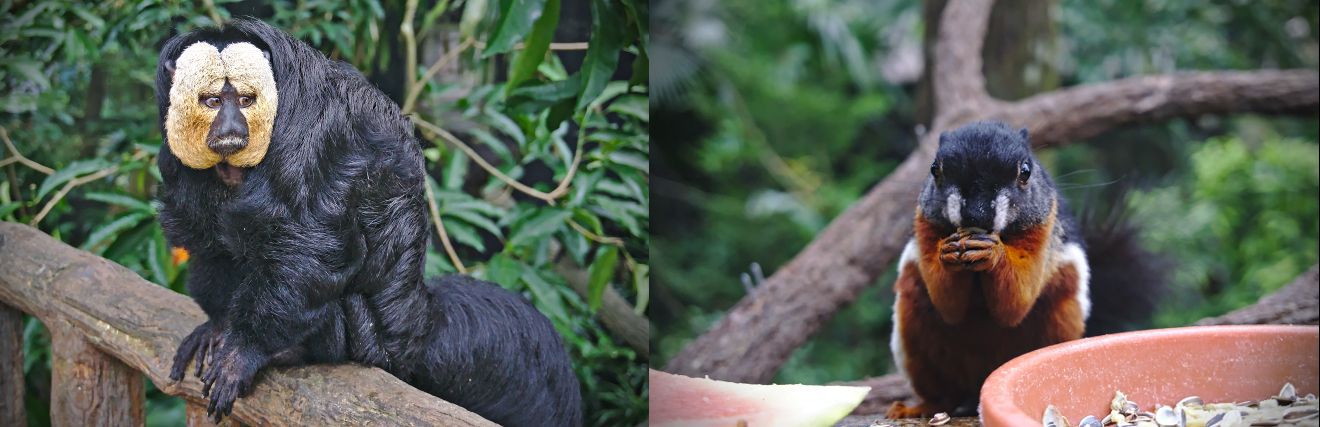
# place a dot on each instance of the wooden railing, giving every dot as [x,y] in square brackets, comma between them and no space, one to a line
[107,325]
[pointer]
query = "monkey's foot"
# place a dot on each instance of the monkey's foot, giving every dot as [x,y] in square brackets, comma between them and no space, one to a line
[230,375]
[922,410]
[195,347]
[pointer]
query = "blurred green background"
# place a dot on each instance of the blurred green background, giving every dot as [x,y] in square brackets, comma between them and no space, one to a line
[76,96]
[773,116]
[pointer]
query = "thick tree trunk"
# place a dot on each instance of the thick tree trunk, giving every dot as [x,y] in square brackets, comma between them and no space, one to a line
[758,334]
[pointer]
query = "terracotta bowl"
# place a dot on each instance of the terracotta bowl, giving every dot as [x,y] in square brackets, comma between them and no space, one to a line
[1217,363]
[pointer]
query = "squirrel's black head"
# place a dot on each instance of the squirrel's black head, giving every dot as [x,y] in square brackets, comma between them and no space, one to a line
[984,176]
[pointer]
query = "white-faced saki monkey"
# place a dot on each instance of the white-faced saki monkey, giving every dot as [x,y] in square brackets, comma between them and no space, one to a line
[297,188]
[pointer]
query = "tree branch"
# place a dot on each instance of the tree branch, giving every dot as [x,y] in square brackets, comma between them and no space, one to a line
[1084,111]
[64,191]
[440,230]
[957,61]
[18,157]
[415,88]
[559,191]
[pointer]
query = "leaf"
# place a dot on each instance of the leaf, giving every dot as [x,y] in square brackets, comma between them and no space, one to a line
[155,266]
[505,125]
[121,200]
[601,271]
[602,52]
[69,173]
[544,293]
[538,43]
[639,13]
[587,220]
[631,160]
[504,270]
[9,208]
[456,170]
[31,70]
[463,233]
[437,264]
[539,225]
[532,99]
[642,285]
[112,229]
[93,21]
[516,18]
[475,218]
[632,105]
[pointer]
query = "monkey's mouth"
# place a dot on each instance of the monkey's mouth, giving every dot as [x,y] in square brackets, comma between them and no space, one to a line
[231,175]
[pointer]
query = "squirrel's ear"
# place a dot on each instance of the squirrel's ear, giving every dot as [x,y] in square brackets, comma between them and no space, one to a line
[1023,132]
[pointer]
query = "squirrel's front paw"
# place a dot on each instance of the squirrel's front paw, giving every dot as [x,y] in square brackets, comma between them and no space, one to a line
[973,252]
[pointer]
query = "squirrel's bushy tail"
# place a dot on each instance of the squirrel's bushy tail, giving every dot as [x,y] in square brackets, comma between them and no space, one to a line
[1127,280]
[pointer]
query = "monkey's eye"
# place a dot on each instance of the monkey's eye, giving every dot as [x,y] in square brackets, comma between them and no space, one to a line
[935,170]
[1024,172]
[245,101]
[212,102]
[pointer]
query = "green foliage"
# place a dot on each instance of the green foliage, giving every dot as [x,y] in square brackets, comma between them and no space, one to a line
[76,90]
[1243,223]
[786,100]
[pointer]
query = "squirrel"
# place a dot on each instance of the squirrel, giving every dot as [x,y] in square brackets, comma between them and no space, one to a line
[996,268]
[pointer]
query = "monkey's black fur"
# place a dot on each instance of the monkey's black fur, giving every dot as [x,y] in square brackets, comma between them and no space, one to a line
[317,256]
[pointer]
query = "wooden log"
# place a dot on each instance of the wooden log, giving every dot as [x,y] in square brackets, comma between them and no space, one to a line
[12,409]
[89,387]
[195,416]
[1295,304]
[141,324]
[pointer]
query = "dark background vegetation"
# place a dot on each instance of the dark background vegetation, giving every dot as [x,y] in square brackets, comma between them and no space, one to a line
[774,116]
[76,95]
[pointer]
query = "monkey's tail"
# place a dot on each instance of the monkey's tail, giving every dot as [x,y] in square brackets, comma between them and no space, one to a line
[1127,280]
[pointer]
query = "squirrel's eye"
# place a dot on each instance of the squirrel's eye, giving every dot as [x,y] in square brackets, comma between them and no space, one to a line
[1024,172]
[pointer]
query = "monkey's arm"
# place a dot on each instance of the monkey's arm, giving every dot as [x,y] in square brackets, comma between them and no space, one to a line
[212,280]
[296,266]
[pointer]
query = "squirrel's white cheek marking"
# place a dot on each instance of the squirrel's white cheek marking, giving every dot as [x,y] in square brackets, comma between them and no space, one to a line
[1001,212]
[1073,254]
[953,208]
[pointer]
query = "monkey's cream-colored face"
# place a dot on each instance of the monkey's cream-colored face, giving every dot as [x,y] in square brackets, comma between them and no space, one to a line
[222,106]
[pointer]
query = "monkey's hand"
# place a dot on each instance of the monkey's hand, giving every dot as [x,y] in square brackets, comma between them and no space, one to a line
[230,375]
[195,347]
[969,251]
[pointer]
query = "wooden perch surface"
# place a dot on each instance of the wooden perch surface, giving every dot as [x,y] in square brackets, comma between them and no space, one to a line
[757,335]
[141,324]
